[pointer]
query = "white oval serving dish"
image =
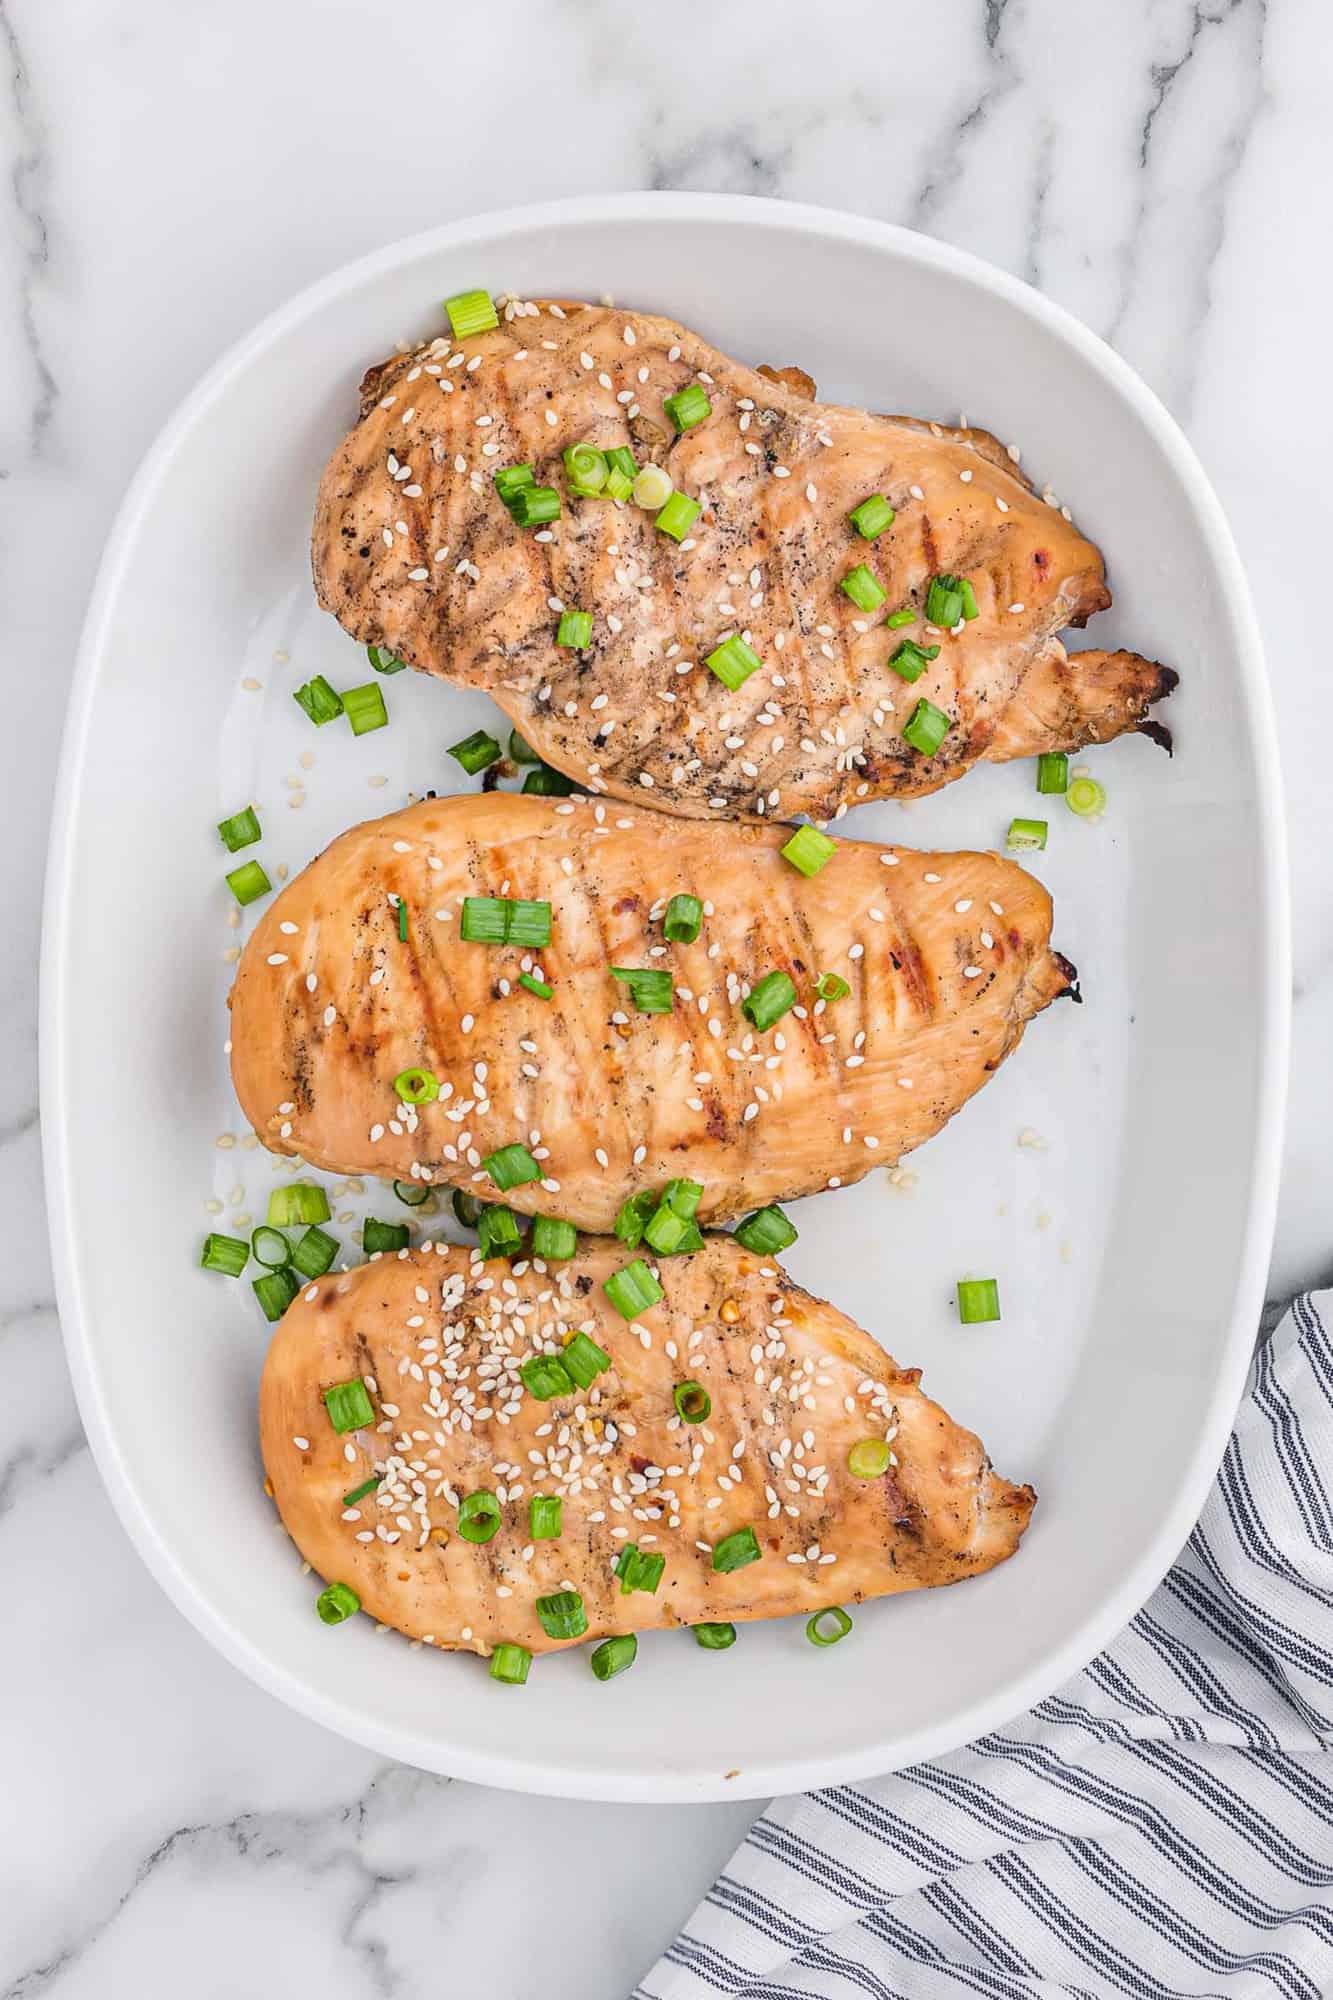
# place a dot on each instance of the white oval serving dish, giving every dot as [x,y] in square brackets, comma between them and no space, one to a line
[1131,1248]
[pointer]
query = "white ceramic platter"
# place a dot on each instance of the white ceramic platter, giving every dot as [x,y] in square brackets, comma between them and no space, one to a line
[1130,1251]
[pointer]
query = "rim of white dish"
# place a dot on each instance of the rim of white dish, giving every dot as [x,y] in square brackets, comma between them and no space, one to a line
[797,1773]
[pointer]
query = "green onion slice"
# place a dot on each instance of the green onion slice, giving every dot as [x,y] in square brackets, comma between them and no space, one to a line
[736,1550]
[633,1218]
[248,882]
[978,1300]
[471,312]
[412,1194]
[769,1001]
[314,1252]
[241,830]
[969,597]
[872,517]
[544,1517]
[613,1656]
[511,1167]
[808,850]
[299,1201]
[510,1664]
[869,1458]
[944,602]
[521,751]
[275,1292]
[321,702]
[683,1197]
[1053,771]
[665,1230]
[384,661]
[714,1637]
[478,1515]
[533,506]
[683,920]
[553,1240]
[910,661]
[863,587]
[417,1086]
[584,1360]
[528,923]
[832,986]
[733,662]
[534,985]
[501,920]
[693,1403]
[688,407]
[619,485]
[511,479]
[575,630]
[349,1405]
[467,1208]
[365,708]
[270,1248]
[337,1602]
[766,1230]
[1085,797]
[402,923]
[1026,836]
[228,1254]
[621,459]
[897,619]
[638,1571]
[586,469]
[562,1615]
[828,1626]
[360,1492]
[548,784]
[633,1290]
[498,1233]
[380,1237]
[677,517]
[476,751]
[546,1376]
[927,728]
[651,990]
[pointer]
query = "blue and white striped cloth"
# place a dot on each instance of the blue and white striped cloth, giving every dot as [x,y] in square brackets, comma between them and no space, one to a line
[1161,1827]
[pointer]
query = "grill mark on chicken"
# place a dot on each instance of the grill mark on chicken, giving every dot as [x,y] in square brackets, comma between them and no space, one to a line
[622,1090]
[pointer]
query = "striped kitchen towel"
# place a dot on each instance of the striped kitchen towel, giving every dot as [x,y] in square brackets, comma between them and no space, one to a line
[1161,1827]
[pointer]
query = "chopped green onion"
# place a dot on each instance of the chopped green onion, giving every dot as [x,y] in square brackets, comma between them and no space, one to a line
[650,990]
[498,1233]
[510,1664]
[714,1637]
[270,1248]
[228,1254]
[499,920]
[402,923]
[534,985]
[586,470]
[511,1166]
[337,1602]
[544,1517]
[412,1194]
[766,1230]
[299,1201]
[809,849]
[733,662]
[1053,771]
[574,629]
[969,597]
[944,602]
[638,1571]
[377,1236]
[693,1403]
[275,1292]
[478,1515]
[545,1376]
[619,485]
[734,1551]
[584,1360]
[683,920]
[869,1458]
[832,986]
[633,1218]
[652,487]
[321,702]
[349,1406]
[521,751]
[1085,797]
[511,479]
[688,407]
[532,506]
[471,312]
[314,1252]
[467,1208]
[552,1239]
[677,517]
[476,751]
[613,1656]
[897,619]
[562,1615]
[683,1197]
[828,1626]
[365,708]
[665,1230]
[621,459]
[978,1300]
[633,1290]
[360,1492]
[247,882]
[927,727]
[548,784]
[872,517]
[241,830]
[417,1086]
[1025,836]
[769,1001]
[910,661]
[863,587]
[384,661]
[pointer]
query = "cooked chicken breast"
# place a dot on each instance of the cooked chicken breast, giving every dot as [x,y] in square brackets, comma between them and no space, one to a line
[947,956]
[414,550]
[438,1339]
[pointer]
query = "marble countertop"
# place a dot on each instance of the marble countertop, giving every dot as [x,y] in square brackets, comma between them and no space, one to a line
[176,168]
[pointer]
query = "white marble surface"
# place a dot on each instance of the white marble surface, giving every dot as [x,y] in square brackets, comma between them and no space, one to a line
[174,168]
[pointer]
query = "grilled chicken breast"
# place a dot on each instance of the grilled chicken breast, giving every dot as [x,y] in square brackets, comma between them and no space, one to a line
[414,550]
[946,956]
[438,1338]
